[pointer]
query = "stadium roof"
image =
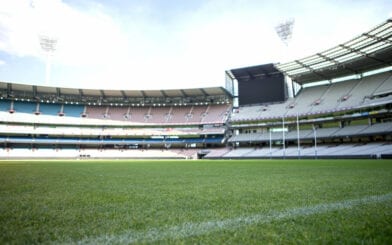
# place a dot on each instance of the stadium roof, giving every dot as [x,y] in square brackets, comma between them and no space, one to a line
[369,51]
[253,72]
[10,90]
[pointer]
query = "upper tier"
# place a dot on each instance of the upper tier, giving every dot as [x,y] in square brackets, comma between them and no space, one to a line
[341,96]
[142,115]
[196,96]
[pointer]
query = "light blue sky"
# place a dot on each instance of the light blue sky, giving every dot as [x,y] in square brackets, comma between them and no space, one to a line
[158,44]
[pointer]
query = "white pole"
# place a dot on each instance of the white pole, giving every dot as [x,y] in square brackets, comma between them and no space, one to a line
[270,143]
[315,141]
[283,137]
[48,45]
[47,72]
[299,144]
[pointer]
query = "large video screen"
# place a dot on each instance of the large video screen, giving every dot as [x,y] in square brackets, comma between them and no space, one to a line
[262,90]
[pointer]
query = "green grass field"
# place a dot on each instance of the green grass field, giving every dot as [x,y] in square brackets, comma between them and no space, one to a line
[203,202]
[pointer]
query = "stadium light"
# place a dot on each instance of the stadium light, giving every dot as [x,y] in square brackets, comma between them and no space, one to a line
[48,45]
[285,33]
[285,30]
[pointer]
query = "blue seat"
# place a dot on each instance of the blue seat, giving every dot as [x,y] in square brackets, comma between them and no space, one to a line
[214,140]
[73,110]
[49,109]
[25,107]
[5,105]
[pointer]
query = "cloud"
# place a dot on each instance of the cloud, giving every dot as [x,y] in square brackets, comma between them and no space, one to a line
[136,46]
[2,62]
[84,38]
[190,50]
[17,29]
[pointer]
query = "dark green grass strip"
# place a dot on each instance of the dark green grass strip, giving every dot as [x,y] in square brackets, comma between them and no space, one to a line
[184,231]
[362,224]
[63,201]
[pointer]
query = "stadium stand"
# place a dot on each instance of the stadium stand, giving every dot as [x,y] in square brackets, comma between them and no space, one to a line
[375,129]
[150,114]
[5,105]
[72,110]
[364,89]
[378,128]
[340,96]
[98,112]
[333,97]
[78,127]
[93,153]
[348,115]
[349,131]
[24,107]
[49,109]
[369,150]
[343,108]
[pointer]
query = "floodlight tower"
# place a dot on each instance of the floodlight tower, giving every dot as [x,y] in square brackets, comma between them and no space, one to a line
[285,31]
[48,45]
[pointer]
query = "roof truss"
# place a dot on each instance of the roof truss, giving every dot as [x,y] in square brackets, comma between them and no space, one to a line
[371,50]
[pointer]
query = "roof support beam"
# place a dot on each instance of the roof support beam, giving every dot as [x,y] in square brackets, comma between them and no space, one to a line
[204,92]
[371,50]
[34,91]
[230,74]
[358,51]
[9,89]
[311,70]
[163,93]
[123,94]
[380,39]
[250,75]
[264,72]
[183,93]
[336,62]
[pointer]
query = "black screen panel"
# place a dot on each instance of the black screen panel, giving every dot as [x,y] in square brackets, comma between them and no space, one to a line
[262,90]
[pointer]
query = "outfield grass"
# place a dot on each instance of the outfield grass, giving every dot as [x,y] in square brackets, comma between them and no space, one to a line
[208,202]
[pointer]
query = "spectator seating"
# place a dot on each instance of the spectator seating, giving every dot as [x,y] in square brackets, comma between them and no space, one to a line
[200,114]
[5,105]
[24,107]
[375,149]
[321,133]
[72,110]
[49,109]
[321,99]
[91,153]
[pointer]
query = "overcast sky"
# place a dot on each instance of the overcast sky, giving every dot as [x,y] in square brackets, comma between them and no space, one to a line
[163,44]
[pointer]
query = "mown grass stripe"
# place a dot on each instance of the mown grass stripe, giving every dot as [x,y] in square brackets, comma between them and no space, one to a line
[195,229]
